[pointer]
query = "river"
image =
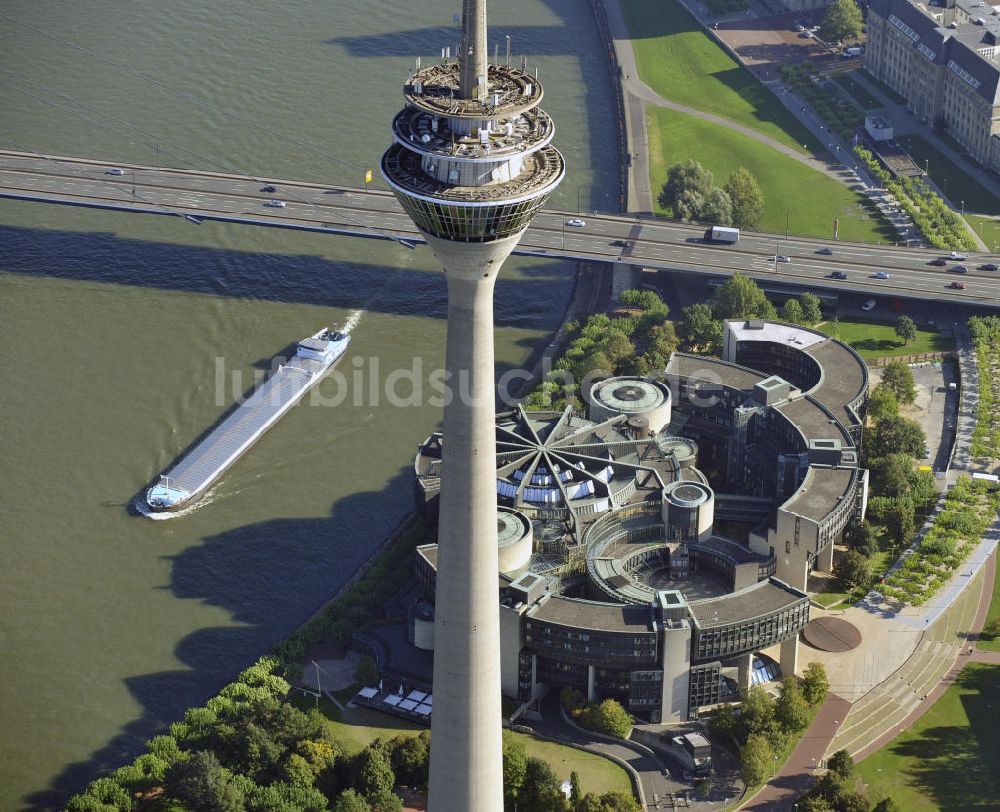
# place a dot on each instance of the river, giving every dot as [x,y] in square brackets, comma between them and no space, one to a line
[124,338]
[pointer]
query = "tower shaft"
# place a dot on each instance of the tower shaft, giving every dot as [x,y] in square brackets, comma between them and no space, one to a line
[472,51]
[466,769]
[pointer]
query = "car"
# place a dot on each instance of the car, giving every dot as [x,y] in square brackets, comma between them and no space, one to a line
[576,222]
[780,258]
[814,28]
[824,251]
[869,305]
[956,285]
[269,189]
[938,262]
[116,171]
[880,275]
[989,266]
[798,28]
[618,244]
[958,269]
[276,204]
[927,453]
[957,256]
[838,275]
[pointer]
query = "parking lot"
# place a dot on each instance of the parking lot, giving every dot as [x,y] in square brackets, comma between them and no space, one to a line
[764,43]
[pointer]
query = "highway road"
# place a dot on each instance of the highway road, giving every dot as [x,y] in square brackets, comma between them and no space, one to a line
[651,243]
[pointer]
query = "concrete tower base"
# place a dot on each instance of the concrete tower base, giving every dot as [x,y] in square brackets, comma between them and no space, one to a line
[466,767]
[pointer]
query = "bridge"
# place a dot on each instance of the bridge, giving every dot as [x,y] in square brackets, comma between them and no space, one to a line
[643,241]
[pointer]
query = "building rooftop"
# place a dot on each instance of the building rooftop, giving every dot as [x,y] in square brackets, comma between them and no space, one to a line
[820,491]
[594,615]
[713,370]
[760,599]
[435,89]
[813,420]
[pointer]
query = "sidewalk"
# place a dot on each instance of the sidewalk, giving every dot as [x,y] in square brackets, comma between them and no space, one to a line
[796,775]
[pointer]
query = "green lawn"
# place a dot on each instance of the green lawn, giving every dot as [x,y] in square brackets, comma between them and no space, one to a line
[987,640]
[948,759]
[959,185]
[812,200]
[683,64]
[859,93]
[988,230]
[875,340]
[356,727]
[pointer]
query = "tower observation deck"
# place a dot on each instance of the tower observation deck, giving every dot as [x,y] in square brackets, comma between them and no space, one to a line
[471,163]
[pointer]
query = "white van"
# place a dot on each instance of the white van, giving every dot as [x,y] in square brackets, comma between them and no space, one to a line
[869,305]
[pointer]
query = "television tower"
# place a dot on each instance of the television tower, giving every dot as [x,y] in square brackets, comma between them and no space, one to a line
[471,164]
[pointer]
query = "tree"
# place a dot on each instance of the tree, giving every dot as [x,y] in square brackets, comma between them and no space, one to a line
[616,801]
[756,712]
[892,475]
[724,721]
[905,329]
[791,709]
[351,801]
[815,685]
[756,760]
[852,570]
[811,313]
[202,784]
[611,718]
[541,791]
[842,764]
[747,199]
[366,671]
[687,185]
[574,788]
[716,208]
[411,759]
[899,377]
[886,805]
[376,778]
[740,298]
[842,21]
[893,435]
[699,328]
[882,402]
[863,537]
[791,312]
[515,765]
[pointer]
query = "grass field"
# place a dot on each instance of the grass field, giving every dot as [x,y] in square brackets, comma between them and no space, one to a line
[683,64]
[875,340]
[813,201]
[356,727]
[948,759]
[959,185]
[987,229]
[987,640]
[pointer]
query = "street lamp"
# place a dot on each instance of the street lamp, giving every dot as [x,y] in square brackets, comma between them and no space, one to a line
[927,166]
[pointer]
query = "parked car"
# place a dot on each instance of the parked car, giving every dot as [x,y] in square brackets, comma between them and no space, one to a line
[956,285]
[576,222]
[825,251]
[869,305]
[838,275]
[958,269]
[276,204]
[880,275]
[989,266]
[938,262]
[269,189]
[798,27]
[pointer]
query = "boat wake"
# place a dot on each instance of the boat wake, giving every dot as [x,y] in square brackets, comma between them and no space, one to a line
[352,321]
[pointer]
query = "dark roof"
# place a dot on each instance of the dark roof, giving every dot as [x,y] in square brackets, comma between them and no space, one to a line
[844,377]
[700,367]
[760,599]
[594,615]
[820,491]
[813,421]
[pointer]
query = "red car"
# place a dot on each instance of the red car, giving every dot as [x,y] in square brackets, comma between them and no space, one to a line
[956,285]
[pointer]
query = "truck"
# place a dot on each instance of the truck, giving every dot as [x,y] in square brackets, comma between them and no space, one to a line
[722,234]
[854,50]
